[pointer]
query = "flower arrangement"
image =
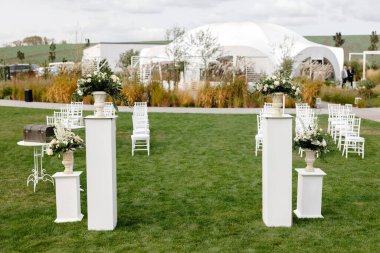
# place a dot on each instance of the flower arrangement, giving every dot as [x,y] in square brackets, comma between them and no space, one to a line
[313,139]
[63,141]
[99,81]
[278,83]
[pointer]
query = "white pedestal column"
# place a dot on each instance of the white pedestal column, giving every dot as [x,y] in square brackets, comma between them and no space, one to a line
[101,173]
[277,171]
[309,193]
[68,197]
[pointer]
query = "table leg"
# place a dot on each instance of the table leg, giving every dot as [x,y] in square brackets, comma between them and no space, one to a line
[34,177]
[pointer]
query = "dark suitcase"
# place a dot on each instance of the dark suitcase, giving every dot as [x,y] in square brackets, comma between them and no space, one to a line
[38,133]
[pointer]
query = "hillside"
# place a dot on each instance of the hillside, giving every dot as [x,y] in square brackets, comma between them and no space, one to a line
[39,54]
[353,43]
[73,52]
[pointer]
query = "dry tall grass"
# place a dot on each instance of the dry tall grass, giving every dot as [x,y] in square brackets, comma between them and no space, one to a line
[62,88]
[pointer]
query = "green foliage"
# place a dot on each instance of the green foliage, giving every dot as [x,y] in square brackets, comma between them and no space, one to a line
[374,39]
[6,92]
[125,58]
[365,88]
[20,55]
[5,73]
[339,41]
[52,54]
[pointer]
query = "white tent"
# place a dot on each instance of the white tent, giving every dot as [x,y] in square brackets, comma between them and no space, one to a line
[262,43]
[111,52]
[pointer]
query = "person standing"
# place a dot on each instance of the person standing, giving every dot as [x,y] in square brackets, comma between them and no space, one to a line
[344,76]
[350,75]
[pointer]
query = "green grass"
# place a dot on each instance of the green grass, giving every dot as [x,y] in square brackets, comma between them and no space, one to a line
[40,54]
[199,191]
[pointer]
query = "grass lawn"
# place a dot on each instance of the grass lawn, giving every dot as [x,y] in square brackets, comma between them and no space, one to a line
[199,191]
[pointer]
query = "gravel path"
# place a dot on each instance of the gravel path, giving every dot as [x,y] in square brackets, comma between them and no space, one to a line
[366,113]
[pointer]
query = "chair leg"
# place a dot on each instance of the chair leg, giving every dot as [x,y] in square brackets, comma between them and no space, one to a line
[148,146]
[133,147]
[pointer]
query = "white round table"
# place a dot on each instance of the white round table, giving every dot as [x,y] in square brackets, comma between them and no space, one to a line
[35,176]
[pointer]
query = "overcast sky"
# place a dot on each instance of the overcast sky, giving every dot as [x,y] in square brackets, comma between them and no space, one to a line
[139,20]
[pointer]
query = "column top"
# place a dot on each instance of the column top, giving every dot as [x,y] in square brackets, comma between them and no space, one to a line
[316,172]
[284,116]
[100,118]
[63,175]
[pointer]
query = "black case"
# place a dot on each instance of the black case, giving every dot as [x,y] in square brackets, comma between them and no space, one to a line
[38,133]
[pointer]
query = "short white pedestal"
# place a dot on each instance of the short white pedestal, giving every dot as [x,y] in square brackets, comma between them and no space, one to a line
[309,193]
[277,171]
[101,173]
[68,197]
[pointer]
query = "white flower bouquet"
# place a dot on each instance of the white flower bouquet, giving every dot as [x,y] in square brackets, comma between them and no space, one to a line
[63,141]
[278,83]
[313,139]
[99,81]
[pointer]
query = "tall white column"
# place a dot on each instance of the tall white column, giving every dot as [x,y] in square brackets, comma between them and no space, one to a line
[101,173]
[68,197]
[277,171]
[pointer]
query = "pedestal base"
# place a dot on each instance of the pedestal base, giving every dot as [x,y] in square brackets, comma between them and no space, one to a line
[309,193]
[68,197]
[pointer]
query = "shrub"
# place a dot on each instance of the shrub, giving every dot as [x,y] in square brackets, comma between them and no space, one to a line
[62,88]
[337,95]
[17,87]
[311,90]
[6,92]
[373,75]
[134,92]
[365,88]
[158,96]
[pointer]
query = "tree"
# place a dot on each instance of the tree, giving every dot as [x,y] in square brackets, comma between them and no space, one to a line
[374,39]
[52,52]
[20,55]
[87,42]
[33,40]
[339,41]
[206,46]
[287,61]
[176,50]
[125,58]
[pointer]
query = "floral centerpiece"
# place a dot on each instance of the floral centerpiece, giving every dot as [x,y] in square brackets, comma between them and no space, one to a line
[65,142]
[312,141]
[276,86]
[99,84]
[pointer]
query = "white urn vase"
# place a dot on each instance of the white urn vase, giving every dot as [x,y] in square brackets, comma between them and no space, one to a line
[100,98]
[68,162]
[277,104]
[309,159]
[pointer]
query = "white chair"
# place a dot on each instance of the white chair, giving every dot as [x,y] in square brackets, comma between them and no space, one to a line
[353,142]
[50,120]
[140,142]
[109,109]
[141,136]
[258,136]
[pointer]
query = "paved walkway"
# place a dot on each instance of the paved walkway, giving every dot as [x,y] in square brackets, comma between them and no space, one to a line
[366,113]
